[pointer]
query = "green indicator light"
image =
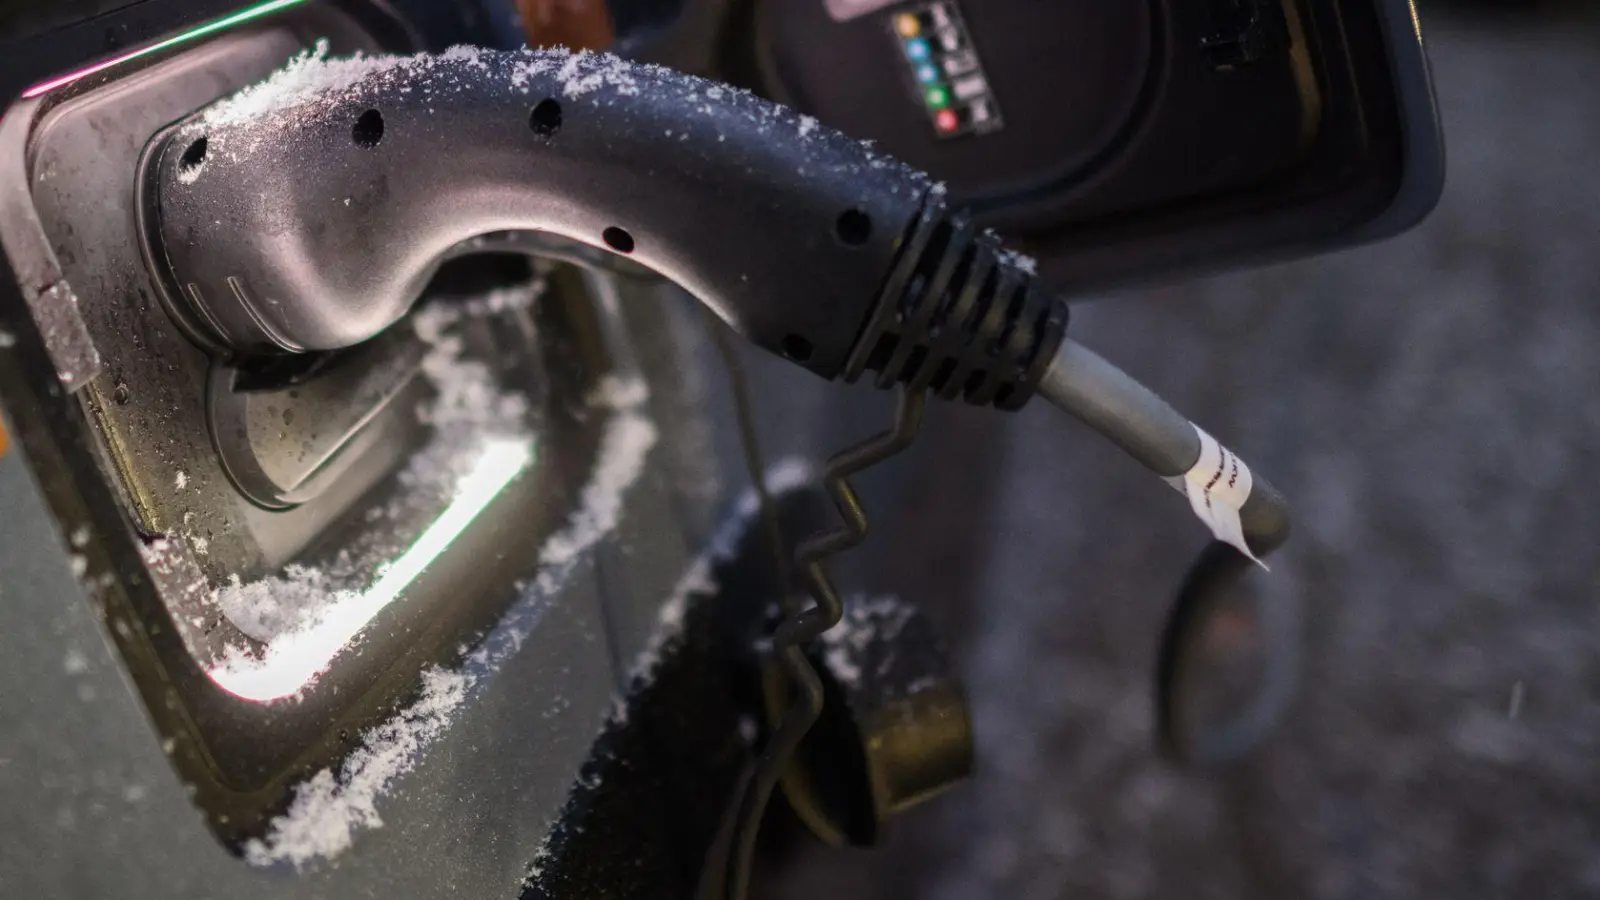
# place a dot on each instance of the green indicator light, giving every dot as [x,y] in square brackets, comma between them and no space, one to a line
[938,98]
[238,18]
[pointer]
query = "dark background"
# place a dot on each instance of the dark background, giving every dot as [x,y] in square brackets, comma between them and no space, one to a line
[1428,405]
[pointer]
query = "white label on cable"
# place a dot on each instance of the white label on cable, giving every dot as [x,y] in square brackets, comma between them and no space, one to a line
[1217,486]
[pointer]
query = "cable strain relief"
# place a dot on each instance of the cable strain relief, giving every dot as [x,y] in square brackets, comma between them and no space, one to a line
[959,315]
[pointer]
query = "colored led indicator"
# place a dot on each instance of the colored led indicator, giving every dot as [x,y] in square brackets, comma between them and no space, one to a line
[944,68]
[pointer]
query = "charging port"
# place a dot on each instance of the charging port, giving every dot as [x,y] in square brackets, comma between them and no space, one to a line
[314,531]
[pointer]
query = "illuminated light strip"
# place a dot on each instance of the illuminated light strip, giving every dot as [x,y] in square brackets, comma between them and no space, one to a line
[295,660]
[238,18]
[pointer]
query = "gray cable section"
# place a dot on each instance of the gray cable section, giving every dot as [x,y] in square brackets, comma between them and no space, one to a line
[1084,384]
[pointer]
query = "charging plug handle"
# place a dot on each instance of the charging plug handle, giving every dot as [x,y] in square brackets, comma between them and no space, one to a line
[309,213]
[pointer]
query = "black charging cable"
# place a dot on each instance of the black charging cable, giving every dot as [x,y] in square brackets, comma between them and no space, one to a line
[307,213]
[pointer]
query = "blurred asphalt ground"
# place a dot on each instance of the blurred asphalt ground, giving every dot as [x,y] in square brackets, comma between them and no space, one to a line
[1429,407]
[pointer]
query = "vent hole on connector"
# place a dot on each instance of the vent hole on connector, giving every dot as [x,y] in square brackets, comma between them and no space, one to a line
[797,348]
[618,239]
[914,362]
[368,130]
[952,295]
[1019,297]
[985,301]
[882,352]
[193,157]
[853,227]
[545,120]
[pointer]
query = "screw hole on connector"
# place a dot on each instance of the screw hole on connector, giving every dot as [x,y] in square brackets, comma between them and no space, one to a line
[617,239]
[368,130]
[545,120]
[853,227]
[194,156]
[797,348]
